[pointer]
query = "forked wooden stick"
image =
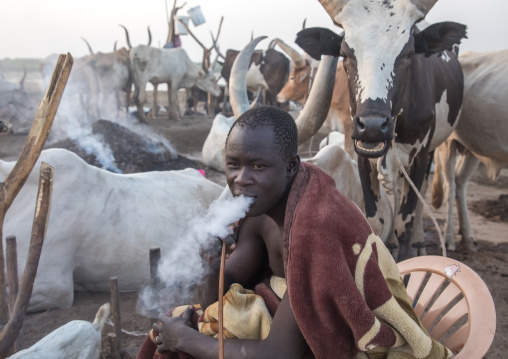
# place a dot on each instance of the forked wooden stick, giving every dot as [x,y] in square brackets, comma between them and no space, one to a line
[10,188]
[221,301]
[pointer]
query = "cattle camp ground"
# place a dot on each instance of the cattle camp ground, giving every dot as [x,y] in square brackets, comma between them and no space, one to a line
[488,210]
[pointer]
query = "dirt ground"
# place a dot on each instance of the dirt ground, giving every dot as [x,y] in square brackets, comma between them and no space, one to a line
[187,136]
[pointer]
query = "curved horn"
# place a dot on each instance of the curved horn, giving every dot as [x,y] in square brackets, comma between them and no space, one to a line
[114,46]
[272,44]
[304,21]
[238,78]
[316,108]
[87,44]
[149,37]
[127,37]
[297,58]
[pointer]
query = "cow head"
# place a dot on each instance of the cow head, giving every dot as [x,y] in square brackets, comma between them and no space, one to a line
[16,107]
[298,86]
[207,82]
[316,108]
[380,40]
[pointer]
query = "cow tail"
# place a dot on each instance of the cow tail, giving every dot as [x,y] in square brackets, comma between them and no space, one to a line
[102,316]
[437,190]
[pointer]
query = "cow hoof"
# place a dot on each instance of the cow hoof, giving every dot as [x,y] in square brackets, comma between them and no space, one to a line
[451,247]
[470,247]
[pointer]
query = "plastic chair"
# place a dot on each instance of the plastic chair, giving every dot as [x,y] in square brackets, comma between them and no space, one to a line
[452,302]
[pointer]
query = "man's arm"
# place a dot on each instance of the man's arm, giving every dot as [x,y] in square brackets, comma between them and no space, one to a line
[241,265]
[284,341]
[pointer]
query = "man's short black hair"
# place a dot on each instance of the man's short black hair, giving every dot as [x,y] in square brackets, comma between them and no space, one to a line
[283,125]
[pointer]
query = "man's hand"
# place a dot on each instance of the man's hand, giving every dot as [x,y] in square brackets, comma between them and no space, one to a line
[230,243]
[170,330]
[230,239]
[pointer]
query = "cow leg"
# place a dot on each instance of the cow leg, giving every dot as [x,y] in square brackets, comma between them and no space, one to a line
[444,182]
[404,220]
[225,99]
[155,108]
[174,109]
[417,234]
[117,102]
[195,96]
[377,207]
[139,96]
[466,167]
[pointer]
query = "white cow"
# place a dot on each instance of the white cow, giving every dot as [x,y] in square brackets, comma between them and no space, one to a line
[114,77]
[77,339]
[482,130]
[213,147]
[170,66]
[82,86]
[102,224]
[16,107]
[334,160]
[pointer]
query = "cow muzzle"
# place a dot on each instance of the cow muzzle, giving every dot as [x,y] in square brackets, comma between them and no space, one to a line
[372,135]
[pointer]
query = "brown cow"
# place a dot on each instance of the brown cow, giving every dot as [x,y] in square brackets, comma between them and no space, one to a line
[298,87]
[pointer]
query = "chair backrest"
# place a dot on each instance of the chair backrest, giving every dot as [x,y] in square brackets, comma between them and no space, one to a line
[452,302]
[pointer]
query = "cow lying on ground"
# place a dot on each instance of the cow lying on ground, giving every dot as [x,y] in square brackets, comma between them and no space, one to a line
[480,134]
[76,339]
[102,224]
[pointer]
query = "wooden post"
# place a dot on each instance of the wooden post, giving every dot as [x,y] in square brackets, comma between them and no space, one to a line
[12,281]
[112,346]
[117,322]
[11,330]
[12,270]
[155,256]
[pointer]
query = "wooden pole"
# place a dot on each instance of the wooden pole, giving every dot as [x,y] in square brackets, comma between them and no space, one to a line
[221,301]
[112,346]
[33,146]
[12,282]
[115,309]
[12,270]
[11,330]
[155,256]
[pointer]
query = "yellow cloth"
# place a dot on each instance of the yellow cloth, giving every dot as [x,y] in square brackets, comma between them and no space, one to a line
[245,316]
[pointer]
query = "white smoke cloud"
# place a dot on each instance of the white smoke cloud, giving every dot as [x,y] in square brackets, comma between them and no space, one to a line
[78,110]
[180,270]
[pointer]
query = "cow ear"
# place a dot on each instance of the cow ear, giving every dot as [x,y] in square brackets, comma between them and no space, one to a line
[317,41]
[301,76]
[439,37]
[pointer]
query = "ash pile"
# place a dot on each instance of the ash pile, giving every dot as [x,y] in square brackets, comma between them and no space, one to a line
[125,151]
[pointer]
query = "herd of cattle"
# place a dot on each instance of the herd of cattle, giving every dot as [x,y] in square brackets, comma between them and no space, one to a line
[401,97]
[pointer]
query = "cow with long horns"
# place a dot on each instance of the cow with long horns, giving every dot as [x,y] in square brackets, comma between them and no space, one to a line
[300,82]
[406,91]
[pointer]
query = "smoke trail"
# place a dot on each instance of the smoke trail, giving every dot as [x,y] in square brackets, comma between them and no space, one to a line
[180,270]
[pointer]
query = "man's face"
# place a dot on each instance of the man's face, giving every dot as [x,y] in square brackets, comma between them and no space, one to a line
[255,168]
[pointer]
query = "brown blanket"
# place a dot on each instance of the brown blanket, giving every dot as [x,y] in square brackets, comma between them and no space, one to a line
[344,287]
[247,315]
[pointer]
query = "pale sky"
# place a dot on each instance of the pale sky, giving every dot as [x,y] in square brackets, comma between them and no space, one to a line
[37,28]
